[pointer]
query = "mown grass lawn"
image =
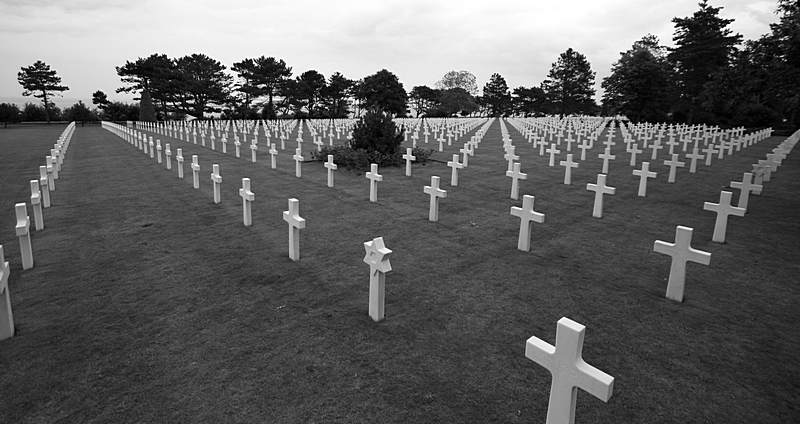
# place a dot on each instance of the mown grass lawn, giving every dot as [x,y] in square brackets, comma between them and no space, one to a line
[149,303]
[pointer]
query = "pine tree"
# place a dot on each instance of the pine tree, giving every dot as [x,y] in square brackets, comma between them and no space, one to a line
[570,84]
[640,83]
[497,96]
[704,45]
[41,82]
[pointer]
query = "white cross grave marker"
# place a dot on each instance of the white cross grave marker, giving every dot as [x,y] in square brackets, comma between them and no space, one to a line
[467,152]
[23,232]
[6,317]
[606,156]
[247,198]
[331,167]
[515,176]
[377,258]
[569,371]
[723,209]
[435,192]
[253,150]
[373,177]
[644,174]
[681,252]
[158,148]
[673,166]
[746,186]
[709,151]
[694,156]
[36,203]
[510,157]
[527,216]
[569,164]
[298,162]
[408,157]
[455,165]
[168,153]
[553,152]
[179,158]
[272,153]
[599,190]
[43,181]
[51,179]
[195,172]
[217,180]
[292,216]
[634,151]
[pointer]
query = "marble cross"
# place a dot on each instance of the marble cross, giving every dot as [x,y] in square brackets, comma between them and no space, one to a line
[681,252]
[247,199]
[723,210]
[373,177]
[527,216]
[569,371]
[644,174]
[296,223]
[599,190]
[217,180]
[6,317]
[331,167]
[436,193]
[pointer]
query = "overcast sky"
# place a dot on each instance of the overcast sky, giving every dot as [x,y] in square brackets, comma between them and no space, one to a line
[417,40]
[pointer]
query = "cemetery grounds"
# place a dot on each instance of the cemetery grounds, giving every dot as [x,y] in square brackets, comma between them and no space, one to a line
[149,303]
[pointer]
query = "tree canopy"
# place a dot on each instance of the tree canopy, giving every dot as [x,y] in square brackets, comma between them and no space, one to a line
[39,81]
[459,79]
[496,95]
[640,84]
[704,46]
[383,91]
[570,84]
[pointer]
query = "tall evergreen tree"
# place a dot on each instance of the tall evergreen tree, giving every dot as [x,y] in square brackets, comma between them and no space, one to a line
[570,84]
[424,99]
[41,82]
[704,45]
[336,94]
[496,95]
[308,91]
[640,82]
[528,101]
[202,85]
[156,73]
[383,91]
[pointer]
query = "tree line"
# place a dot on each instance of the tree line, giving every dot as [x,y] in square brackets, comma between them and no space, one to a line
[710,76]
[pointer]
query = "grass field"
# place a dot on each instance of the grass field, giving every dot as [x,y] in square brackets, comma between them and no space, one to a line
[149,303]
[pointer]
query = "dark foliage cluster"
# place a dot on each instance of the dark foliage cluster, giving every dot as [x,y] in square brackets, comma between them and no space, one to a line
[361,159]
[376,139]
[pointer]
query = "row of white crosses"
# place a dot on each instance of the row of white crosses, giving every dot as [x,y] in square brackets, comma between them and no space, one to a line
[568,369]
[377,255]
[563,360]
[682,252]
[433,190]
[40,197]
[292,217]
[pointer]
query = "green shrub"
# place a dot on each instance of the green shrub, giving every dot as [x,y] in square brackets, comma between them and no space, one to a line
[376,132]
[360,159]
